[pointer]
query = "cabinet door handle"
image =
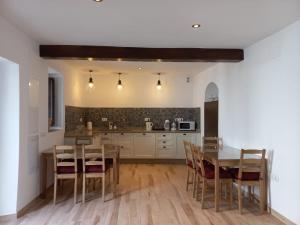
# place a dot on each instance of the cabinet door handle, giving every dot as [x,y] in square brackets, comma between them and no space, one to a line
[105,133]
[184,134]
[164,146]
[122,133]
[164,135]
[144,134]
[122,146]
[164,142]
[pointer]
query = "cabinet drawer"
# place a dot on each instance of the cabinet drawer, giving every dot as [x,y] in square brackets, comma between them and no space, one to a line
[165,136]
[122,135]
[169,142]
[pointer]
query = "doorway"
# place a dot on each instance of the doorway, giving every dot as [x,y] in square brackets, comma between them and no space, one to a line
[211,111]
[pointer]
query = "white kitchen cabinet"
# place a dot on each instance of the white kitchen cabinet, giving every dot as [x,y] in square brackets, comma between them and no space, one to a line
[125,141]
[165,145]
[105,138]
[180,153]
[144,145]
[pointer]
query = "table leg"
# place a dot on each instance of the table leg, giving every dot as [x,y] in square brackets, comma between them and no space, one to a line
[43,175]
[114,174]
[217,186]
[118,167]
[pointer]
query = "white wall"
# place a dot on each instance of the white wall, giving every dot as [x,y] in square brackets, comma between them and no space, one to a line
[9,136]
[138,91]
[17,47]
[259,103]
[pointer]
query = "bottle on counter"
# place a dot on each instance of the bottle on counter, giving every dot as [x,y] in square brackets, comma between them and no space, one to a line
[167,125]
[89,125]
[173,127]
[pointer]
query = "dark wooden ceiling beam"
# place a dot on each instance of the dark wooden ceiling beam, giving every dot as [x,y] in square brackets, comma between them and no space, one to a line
[141,54]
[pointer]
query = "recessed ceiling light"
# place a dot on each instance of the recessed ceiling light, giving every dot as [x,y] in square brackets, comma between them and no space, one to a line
[140,68]
[98,0]
[90,59]
[196,25]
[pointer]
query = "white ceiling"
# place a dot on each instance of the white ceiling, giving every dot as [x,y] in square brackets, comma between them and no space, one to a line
[151,23]
[188,69]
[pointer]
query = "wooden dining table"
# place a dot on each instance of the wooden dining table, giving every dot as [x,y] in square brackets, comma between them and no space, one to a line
[225,156]
[47,155]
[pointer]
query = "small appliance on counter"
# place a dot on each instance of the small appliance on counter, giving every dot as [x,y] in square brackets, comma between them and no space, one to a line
[149,126]
[186,125]
[173,127]
[89,125]
[167,125]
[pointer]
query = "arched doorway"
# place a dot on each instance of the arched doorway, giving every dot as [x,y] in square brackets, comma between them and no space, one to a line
[211,111]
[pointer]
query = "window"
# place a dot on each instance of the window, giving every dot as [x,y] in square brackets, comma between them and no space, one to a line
[55,100]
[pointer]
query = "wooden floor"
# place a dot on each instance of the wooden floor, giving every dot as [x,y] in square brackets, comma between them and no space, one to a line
[147,195]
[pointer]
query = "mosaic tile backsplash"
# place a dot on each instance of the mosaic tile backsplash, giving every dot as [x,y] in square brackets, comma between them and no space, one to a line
[127,117]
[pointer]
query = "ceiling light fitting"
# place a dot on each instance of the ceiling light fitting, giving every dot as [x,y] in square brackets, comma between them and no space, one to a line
[196,25]
[119,85]
[158,85]
[91,83]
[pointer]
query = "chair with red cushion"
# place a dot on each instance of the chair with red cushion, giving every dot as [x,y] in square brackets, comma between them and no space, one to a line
[190,165]
[251,172]
[65,166]
[93,166]
[206,175]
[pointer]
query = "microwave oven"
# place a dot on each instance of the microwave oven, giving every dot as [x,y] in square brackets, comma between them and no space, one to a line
[186,125]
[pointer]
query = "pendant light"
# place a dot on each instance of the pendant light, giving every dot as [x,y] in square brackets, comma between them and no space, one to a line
[119,85]
[91,83]
[158,85]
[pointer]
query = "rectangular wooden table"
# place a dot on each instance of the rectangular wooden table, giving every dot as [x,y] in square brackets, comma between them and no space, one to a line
[112,153]
[224,157]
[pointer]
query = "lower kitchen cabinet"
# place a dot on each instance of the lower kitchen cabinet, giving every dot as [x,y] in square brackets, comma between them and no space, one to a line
[165,145]
[125,141]
[144,145]
[180,137]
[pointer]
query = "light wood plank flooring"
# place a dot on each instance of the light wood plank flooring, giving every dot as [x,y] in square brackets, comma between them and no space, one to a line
[147,195]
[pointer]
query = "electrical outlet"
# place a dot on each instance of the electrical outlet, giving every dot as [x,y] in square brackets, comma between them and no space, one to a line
[275,178]
[147,119]
[104,119]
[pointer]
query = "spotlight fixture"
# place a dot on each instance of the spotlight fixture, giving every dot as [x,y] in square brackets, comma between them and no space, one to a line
[98,0]
[91,83]
[196,25]
[158,85]
[119,84]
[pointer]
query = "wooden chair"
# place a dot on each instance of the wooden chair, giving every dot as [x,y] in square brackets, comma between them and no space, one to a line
[190,165]
[65,167]
[94,166]
[206,175]
[211,143]
[251,172]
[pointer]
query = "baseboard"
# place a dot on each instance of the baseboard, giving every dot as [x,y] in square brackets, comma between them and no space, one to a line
[281,217]
[152,161]
[27,207]
[8,218]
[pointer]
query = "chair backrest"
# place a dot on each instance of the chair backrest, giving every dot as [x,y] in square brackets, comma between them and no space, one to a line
[252,160]
[211,143]
[64,155]
[188,153]
[93,155]
[199,157]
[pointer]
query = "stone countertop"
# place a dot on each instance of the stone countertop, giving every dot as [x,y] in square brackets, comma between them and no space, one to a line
[90,133]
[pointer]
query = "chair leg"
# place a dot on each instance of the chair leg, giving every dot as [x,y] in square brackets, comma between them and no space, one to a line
[188,180]
[230,194]
[194,184]
[240,197]
[262,196]
[55,190]
[75,189]
[83,188]
[103,188]
[203,193]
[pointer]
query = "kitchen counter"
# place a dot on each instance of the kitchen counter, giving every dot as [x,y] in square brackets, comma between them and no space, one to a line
[90,133]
